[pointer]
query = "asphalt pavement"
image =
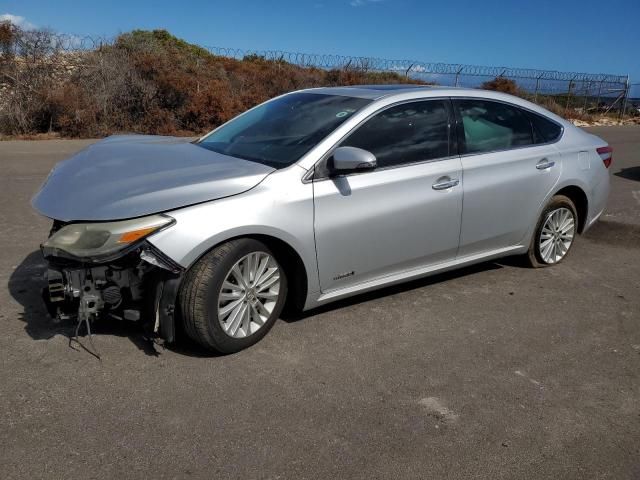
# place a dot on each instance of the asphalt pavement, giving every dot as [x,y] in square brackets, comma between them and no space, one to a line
[494,371]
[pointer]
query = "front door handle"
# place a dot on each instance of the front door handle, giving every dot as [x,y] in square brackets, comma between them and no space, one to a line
[445,182]
[544,164]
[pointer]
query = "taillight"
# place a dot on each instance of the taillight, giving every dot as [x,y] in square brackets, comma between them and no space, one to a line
[606,154]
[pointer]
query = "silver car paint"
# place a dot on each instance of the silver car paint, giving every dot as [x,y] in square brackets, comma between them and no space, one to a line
[281,207]
[128,176]
[504,183]
[389,225]
[400,222]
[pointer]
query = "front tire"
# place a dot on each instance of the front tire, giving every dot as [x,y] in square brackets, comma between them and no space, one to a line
[555,233]
[232,296]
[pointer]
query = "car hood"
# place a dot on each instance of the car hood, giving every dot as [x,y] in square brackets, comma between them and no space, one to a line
[128,176]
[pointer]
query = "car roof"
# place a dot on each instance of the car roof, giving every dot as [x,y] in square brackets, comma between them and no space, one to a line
[401,92]
[410,91]
[375,92]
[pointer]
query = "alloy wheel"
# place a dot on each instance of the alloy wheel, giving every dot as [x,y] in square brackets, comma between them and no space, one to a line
[556,235]
[249,294]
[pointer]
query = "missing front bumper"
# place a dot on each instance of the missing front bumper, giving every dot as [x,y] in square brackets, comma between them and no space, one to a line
[141,286]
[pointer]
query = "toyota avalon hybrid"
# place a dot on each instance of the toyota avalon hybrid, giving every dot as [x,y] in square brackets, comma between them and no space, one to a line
[308,198]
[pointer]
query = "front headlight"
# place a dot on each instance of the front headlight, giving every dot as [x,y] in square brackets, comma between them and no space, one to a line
[86,240]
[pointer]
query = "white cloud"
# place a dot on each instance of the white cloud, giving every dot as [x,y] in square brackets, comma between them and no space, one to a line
[361,3]
[17,20]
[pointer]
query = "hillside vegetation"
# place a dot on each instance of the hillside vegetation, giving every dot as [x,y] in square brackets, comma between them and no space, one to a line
[143,81]
[152,82]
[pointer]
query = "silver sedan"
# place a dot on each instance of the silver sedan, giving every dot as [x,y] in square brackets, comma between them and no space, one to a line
[311,197]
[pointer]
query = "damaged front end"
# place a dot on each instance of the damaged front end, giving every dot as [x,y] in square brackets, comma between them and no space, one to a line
[110,270]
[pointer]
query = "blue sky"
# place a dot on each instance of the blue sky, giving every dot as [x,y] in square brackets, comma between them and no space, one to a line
[571,35]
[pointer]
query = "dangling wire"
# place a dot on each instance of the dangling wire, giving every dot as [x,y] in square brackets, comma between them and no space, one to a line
[86,321]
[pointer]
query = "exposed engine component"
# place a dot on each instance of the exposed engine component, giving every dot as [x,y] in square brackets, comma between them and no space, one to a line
[93,290]
[129,288]
[55,280]
[112,295]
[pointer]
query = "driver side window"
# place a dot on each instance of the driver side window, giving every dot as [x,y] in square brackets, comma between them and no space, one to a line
[408,133]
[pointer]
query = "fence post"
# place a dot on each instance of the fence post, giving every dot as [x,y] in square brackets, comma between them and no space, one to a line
[566,107]
[599,92]
[586,96]
[458,75]
[535,97]
[626,97]
[406,73]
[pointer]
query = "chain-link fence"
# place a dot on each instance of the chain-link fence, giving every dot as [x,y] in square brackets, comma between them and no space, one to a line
[154,82]
[595,88]
[581,91]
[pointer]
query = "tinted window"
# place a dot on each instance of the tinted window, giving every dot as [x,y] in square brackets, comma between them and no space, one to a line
[280,132]
[411,132]
[544,130]
[490,126]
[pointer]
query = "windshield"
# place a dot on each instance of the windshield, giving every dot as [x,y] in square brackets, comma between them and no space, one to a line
[280,132]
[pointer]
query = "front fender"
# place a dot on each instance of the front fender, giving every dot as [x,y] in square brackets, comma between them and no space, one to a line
[281,207]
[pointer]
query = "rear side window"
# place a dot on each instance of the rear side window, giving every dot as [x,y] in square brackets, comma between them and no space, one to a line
[407,133]
[544,130]
[489,126]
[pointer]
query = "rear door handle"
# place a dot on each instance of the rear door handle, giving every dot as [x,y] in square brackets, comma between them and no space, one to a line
[445,182]
[544,164]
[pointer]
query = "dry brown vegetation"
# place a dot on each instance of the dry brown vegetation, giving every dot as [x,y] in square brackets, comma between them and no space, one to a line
[153,82]
[502,84]
[144,81]
[572,108]
[507,85]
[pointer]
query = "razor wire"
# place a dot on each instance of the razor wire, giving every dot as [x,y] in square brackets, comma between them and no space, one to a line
[408,67]
[535,82]
[532,81]
[76,43]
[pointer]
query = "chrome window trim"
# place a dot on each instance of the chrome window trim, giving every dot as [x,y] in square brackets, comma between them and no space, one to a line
[309,176]
[521,147]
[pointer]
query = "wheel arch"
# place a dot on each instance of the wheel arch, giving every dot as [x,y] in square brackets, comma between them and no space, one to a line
[294,268]
[287,256]
[579,198]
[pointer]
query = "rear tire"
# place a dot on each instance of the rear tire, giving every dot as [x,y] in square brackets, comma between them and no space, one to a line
[232,296]
[555,233]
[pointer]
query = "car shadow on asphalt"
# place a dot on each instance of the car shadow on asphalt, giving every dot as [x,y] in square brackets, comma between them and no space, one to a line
[631,173]
[614,233]
[514,262]
[27,283]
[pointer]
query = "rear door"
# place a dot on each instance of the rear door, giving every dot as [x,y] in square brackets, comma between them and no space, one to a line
[508,170]
[404,214]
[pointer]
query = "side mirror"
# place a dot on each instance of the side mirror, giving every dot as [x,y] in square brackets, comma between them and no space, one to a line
[351,159]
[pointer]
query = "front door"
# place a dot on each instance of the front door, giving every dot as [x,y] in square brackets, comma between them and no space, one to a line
[403,215]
